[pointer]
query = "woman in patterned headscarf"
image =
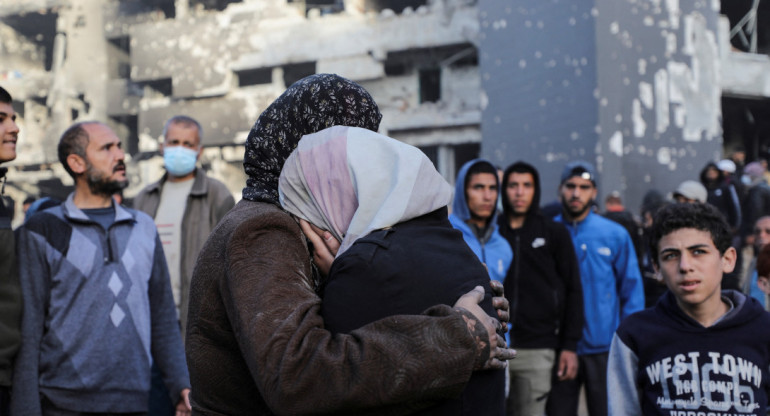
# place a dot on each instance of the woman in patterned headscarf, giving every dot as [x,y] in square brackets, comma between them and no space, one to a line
[309,105]
[256,343]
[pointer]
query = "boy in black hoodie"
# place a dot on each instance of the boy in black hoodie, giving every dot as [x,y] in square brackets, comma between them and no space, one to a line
[544,290]
[699,350]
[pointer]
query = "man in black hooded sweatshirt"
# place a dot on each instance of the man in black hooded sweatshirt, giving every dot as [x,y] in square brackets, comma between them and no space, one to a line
[544,290]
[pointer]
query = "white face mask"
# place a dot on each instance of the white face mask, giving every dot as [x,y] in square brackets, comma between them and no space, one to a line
[179,160]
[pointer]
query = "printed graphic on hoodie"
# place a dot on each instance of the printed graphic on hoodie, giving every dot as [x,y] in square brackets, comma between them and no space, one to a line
[719,382]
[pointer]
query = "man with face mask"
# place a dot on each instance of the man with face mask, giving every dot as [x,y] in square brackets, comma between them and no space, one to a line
[186,205]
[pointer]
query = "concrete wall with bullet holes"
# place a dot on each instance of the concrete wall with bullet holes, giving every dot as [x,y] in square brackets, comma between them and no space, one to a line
[631,86]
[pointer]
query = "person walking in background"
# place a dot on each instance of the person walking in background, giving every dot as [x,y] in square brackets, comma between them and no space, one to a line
[722,195]
[386,204]
[757,200]
[10,293]
[544,290]
[615,211]
[763,272]
[761,238]
[755,205]
[654,286]
[98,303]
[731,177]
[256,342]
[690,191]
[186,205]
[612,288]
[474,212]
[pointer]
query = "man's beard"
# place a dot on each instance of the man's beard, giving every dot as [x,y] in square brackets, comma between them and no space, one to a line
[101,184]
[574,214]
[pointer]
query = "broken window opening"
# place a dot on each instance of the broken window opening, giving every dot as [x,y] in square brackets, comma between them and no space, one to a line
[393,69]
[257,76]
[37,28]
[119,57]
[127,127]
[430,85]
[295,72]
[157,88]
[746,125]
[397,6]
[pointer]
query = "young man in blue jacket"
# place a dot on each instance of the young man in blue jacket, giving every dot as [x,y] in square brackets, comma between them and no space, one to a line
[700,350]
[474,212]
[612,288]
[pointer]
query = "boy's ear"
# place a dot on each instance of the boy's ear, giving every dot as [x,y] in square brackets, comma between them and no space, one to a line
[728,260]
[656,269]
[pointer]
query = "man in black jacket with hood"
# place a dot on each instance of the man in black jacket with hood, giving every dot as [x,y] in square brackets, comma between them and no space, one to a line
[544,290]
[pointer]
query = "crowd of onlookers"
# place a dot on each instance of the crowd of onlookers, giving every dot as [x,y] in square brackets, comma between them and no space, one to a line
[352,279]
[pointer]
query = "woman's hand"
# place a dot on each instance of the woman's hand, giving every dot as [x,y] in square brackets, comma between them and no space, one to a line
[325,246]
[500,303]
[499,353]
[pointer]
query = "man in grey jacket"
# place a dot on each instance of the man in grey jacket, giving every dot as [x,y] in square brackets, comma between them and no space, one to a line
[185,203]
[98,305]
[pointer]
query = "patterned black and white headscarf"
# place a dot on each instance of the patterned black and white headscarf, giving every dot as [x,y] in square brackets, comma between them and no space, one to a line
[307,106]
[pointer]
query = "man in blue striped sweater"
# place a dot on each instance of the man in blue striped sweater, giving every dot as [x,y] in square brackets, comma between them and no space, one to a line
[98,304]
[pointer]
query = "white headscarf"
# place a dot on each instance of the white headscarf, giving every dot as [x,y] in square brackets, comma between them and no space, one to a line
[352,181]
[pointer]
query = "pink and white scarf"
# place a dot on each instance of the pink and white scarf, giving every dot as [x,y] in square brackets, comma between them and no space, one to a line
[352,181]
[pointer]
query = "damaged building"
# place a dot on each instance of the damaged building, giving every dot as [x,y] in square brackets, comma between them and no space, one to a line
[647,90]
[541,81]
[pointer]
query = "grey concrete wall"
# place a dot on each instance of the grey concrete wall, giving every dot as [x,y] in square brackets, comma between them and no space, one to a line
[632,86]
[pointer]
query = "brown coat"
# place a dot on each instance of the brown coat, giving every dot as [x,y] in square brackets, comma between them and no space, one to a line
[256,343]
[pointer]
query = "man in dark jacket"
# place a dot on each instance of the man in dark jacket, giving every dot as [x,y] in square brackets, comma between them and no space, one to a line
[722,195]
[543,287]
[757,202]
[10,294]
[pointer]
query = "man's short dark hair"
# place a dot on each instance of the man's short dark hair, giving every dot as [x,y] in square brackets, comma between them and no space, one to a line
[186,121]
[695,215]
[480,167]
[74,140]
[5,96]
